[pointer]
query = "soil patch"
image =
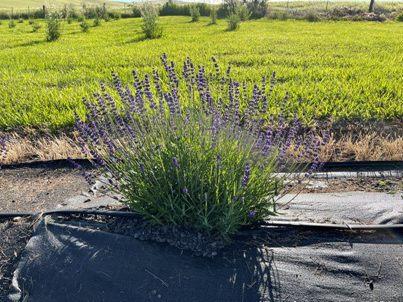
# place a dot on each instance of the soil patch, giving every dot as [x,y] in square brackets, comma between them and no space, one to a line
[389,184]
[43,188]
[35,190]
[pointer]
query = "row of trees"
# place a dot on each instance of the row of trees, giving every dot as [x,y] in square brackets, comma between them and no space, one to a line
[256,8]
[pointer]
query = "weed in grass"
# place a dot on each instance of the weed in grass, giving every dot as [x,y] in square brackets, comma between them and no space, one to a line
[194,13]
[53,27]
[117,16]
[197,159]
[97,22]
[35,27]
[151,28]
[312,17]
[84,26]
[11,24]
[234,22]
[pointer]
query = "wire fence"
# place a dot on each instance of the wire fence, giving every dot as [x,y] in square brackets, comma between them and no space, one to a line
[283,8]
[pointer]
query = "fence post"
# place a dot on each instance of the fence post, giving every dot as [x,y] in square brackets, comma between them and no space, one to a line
[371,6]
[44,11]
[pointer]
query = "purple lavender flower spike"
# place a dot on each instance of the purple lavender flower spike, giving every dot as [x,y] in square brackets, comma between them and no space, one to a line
[252,214]
[219,162]
[175,162]
[246,173]
[142,169]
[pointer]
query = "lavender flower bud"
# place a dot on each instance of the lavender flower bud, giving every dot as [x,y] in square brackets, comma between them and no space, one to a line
[252,214]
[175,162]
[246,173]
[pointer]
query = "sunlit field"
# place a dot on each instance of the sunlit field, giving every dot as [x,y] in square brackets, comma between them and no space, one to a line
[340,69]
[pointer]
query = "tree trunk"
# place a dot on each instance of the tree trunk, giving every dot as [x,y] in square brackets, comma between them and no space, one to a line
[371,6]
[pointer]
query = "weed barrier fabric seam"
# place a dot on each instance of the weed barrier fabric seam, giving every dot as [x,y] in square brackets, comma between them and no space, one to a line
[264,223]
[351,166]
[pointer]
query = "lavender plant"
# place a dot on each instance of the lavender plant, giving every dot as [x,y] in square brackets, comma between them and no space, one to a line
[194,148]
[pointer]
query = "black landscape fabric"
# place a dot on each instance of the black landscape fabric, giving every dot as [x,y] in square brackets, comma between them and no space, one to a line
[70,261]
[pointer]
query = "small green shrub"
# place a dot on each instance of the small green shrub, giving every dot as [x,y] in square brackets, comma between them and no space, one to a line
[151,28]
[31,22]
[257,8]
[136,12]
[194,13]
[234,22]
[97,22]
[21,20]
[400,17]
[69,20]
[80,18]
[117,16]
[53,27]
[276,15]
[84,25]
[283,16]
[243,12]
[11,23]
[35,27]
[213,16]
[312,17]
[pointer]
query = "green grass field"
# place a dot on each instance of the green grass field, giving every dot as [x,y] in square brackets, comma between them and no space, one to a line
[340,69]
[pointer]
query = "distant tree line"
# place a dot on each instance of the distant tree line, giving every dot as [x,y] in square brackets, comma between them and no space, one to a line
[256,8]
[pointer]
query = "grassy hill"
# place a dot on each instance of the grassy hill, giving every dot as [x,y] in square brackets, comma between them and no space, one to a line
[32,4]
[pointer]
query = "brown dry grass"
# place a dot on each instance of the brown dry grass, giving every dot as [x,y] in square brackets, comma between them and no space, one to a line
[346,148]
[23,149]
[363,147]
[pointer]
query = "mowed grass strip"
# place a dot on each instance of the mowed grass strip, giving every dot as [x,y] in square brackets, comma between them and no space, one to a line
[340,69]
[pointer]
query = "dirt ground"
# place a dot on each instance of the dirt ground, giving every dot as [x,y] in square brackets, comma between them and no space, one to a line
[39,189]
[35,190]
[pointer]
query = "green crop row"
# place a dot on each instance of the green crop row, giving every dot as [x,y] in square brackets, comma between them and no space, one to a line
[339,69]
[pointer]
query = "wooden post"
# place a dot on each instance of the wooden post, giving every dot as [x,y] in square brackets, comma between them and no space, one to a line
[371,6]
[44,11]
